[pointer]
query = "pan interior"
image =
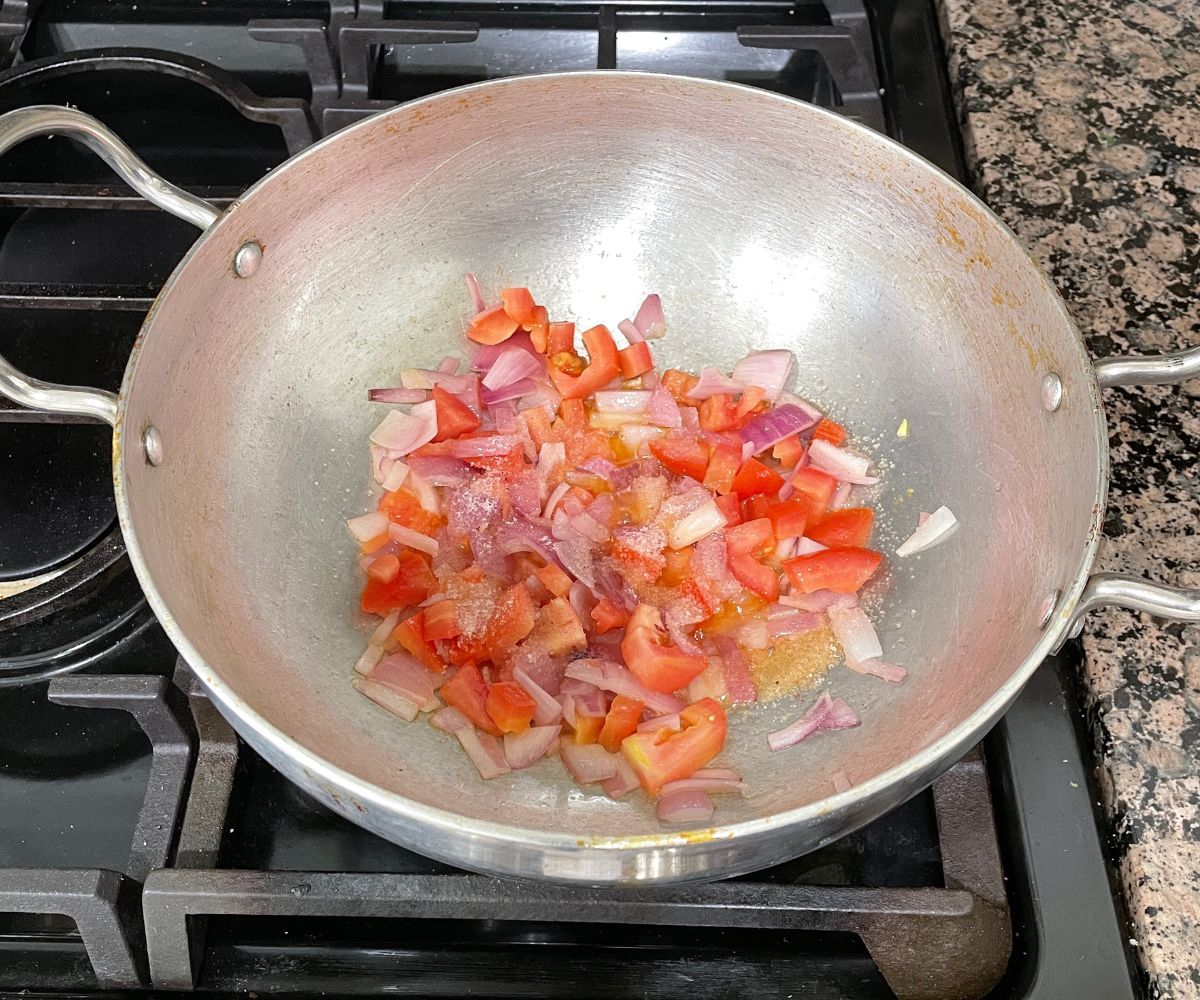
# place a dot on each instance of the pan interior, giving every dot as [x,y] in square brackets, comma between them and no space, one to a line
[763,223]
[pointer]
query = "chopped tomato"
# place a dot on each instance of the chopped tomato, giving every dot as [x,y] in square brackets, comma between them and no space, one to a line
[492,326]
[412,585]
[788,518]
[519,305]
[729,506]
[410,635]
[573,415]
[840,529]
[468,691]
[510,707]
[402,507]
[788,452]
[454,417]
[683,456]
[754,478]
[559,631]
[554,580]
[623,717]
[690,590]
[539,330]
[722,467]
[745,543]
[829,430]
[679,384]
[677,569]
[608,616]
[842,570]
[653,658]
[512,619]
[718,413]
[748,403]
[384,568]
[814,485]
[588,728]
[441,621]
[663,755]
[635,359]
[603,366]
[537,421]
[560,337]
[755,507]
[374,544]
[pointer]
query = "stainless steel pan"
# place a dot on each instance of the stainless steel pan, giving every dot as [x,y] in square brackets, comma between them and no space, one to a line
[239,432]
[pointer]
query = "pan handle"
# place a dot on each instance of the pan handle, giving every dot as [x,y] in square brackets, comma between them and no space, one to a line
[47,119]
[1124,589]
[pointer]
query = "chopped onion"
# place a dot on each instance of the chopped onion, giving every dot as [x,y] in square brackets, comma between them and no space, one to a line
[370,656]
[632,334]
[477,301]
[794,624]
[523,749]
[404,675]
[768,429]
[397,395]
[650,321]
[890,672]
[385,697]
[660,722]
[511,365]
[711,786]
[684,807]
[621,783]
[806,547]
[487,355]
[548,709]
[441,470]
[576,557]
[426,494]
[615,678]
[484,447]
[704,520]
[827,713]
[427,378]
[485,752]
[934,529]
[819,600]
[368,526]
[395,476]
[517,390]
[736,667]
[713,382]
[587,762]
[710,683]
[840,463]
[384,631]
[413,539]
[449,720]
[623,401]
[727,773]
[768,370]
[560,491]
[663,410]
[449,365]
[809,408]
[841,496]
[856,634]
[403,432]
[637,437]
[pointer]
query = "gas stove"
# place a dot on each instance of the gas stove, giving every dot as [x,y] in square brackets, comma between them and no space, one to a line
[142,847]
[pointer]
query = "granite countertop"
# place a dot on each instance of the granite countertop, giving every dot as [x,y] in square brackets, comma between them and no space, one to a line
[1082,130]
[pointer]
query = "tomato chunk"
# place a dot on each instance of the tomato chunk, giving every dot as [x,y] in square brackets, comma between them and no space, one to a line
[402,507]
[623,717]
[454,417]
[841,570]
[723,467]
[603,366]
[788,451]
[511,621]
[664,755]
[608,616]
[682,456]
[492,326]
[847,528]
[653,658]
[560,338]
[467,691]
[510,707]
[718,413]
[788,518]
[815,486]
[755,478]
[519,305]
[410,635]
[829,430]
[441,621]
[745,543]
[635,360]
[679,384]
[554,580]
[412,584]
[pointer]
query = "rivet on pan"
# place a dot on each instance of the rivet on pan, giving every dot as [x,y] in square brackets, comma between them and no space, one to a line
[1052,392]
[152,445]
[1046,612]
[247,259]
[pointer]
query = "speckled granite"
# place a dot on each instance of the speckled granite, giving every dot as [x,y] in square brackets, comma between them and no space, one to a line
[1082,128]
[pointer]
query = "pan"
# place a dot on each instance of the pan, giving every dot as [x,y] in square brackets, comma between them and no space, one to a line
[239,429]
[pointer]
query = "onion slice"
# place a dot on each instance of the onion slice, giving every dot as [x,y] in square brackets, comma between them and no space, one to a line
[523,749]
[768,429]
[684,807]
[650,321]
[827,713]
[404,432]
[890,672]
[713,382]
[704,520]
[587,762]
[615,678]
[856,634]
[768,370]
[548,709]
[934,529]
[512,365]
[485,752]
[385,697]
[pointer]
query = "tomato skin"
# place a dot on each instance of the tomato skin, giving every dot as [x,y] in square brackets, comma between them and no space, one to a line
[718,413]
[755,507]
[660,756]
[682,456]
[679,384]
[754,478]
[467,691]
[843,571]
[603,366]
[846,528]
[414,582]
[815,486]
[744,542]
[519,305]
[729,506]
[410,635]
[509,706]
[492,326]
[652,658]
[789,451]
[635,359]
[723,467]
[829,430]
[622,720]
[607,617]
[788,518]
[454,417]
[511,621]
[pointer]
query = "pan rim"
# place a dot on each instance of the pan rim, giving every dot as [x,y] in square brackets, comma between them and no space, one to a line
[861,803]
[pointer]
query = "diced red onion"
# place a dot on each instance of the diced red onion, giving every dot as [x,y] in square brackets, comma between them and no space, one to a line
[839,462]
[841,496]
[670,721]
[615,678]
[650,321]
[934,529]
[713,382]
[710,786]
[806,547]
[441,470]
[811,409]
[368,526]
[370,656]
[841,782]
[449,365]
[589,529]
[523,749]
[623,401]
[405,676]
[785,548]
[637,437]
[385,697]
[738,680]
[890,672]
[511,365]
[544,395]
[621,783]
[632,334]
[795,624]
[427,496]
[677,627]
[385,628]
[402,432]
[515,390]
[754,634]
[427,378]
[684,807]
[587,762]
[397,394]
[548,709]
[663,410]
[485,447]
[485,752]
[825,714]
[704,520]
[476,293]
[488,354]
[449,720]
[576,557]
[413,539]
[395,476]
[556,495]
[856,634]
[724,773]
[768,370]
[710,683]
[768,429]
[819,600]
